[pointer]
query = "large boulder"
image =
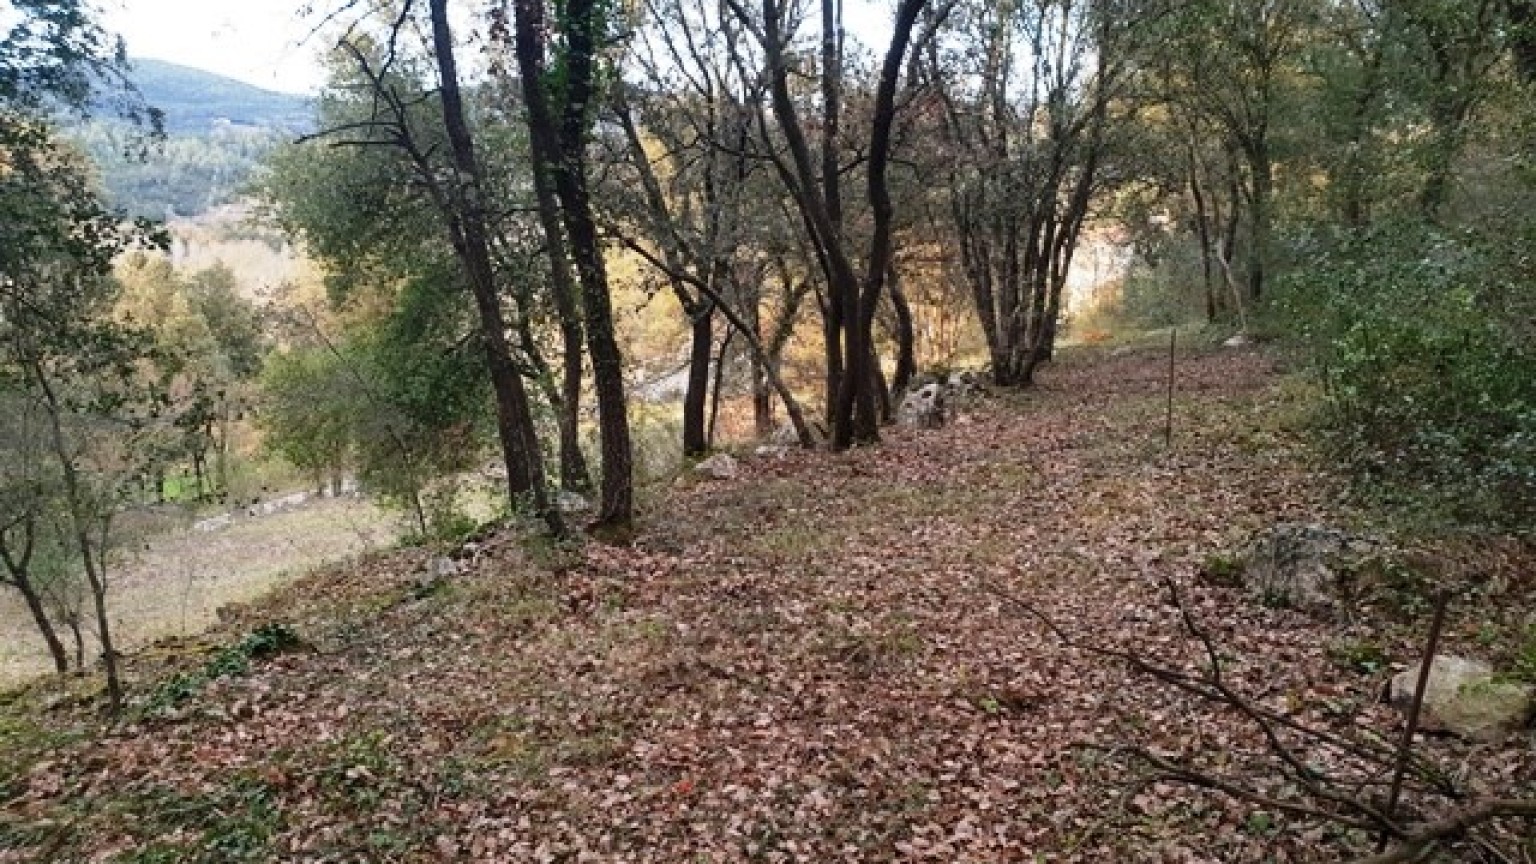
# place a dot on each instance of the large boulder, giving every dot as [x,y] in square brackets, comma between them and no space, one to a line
[1309,567]
[1465,698]
[923,407]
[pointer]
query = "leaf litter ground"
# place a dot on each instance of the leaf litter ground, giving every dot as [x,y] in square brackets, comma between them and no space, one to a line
[816,661]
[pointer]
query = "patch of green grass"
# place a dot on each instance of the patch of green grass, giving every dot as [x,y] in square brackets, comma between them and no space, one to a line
[25,737]
[235,823]
[1365,656]
[1222,569]
[1524,667]
[232,661]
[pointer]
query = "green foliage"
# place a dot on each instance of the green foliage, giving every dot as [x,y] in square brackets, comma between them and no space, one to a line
[1525,657]
[184,175]
[400,405]
[306,402]
[1222,569]
[233,823]
[1365,656]
[1421,337]
[231,661]
[53,53]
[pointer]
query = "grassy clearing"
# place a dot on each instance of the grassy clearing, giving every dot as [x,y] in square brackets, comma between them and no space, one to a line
[174,584]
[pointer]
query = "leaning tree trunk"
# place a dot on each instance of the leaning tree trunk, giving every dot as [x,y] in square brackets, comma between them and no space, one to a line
[471,241]
[906,337]
[80,517]
[19,567]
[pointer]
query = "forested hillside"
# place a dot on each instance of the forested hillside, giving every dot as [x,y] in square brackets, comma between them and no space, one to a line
[217,133]
[939,430]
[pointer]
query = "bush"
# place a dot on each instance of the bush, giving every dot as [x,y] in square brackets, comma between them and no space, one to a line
[1422,340]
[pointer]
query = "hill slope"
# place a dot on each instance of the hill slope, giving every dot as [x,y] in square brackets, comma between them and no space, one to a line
[195,101]
[218,131]
[821,660]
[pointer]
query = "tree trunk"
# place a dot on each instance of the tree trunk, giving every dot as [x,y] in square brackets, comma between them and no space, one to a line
[19,567]
[44,626]
[1259,218]
[573,463]
[582,20]
[857,419]
[80,519]
[544,152]
[1203,234]
[720,367]
[842,280]
[519,441]
[695,399]
[906,338]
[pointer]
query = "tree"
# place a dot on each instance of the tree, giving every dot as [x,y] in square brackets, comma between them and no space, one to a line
[78,370]
[700,215]
[393,117]
[559,112]
[1031,131]
[851,303]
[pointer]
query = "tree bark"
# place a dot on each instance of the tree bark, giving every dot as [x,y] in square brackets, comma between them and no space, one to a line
[471,240]
[19,565]
[857,399]
[720,364]
[582,24]
[695,435]
[906,337]
[544,151]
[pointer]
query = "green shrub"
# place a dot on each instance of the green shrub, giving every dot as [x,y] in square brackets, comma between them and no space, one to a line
[1423,341]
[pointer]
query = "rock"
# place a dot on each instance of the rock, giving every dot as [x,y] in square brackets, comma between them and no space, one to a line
[1305,566]
[1464,698]
[923,407]
[1239,339]
[964,384]
[443,568]
[784,436]
[570,502]
[721,466]
[770,452]
[215,523]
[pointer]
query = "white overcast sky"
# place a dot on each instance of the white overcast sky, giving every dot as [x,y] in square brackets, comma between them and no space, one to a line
[256,41]
[263,42]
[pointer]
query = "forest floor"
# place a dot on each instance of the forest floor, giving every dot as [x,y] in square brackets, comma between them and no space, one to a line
[824,659]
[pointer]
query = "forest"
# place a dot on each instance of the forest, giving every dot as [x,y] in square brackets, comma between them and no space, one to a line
[951,430]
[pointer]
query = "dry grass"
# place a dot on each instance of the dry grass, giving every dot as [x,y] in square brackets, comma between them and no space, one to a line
[174,583]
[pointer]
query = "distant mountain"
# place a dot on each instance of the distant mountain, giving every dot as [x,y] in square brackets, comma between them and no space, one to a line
[197,101]
[218,131]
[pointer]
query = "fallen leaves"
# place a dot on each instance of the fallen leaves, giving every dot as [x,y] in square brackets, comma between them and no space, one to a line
[801,664]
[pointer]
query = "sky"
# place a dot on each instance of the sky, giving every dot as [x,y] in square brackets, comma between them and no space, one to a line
[266,42]
[260,42]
